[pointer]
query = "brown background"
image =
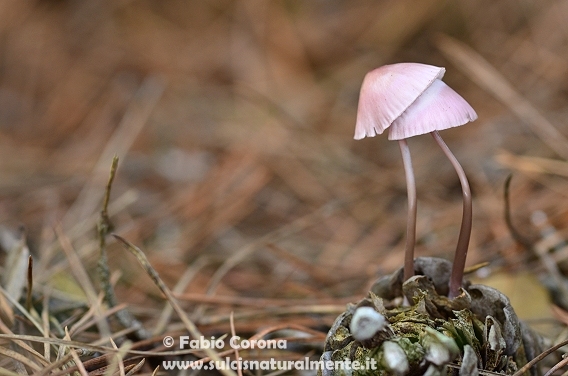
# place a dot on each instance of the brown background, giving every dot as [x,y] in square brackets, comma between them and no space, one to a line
[234,121]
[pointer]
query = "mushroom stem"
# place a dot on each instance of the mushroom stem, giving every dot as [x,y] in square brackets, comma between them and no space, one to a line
[411,220]
[465,230]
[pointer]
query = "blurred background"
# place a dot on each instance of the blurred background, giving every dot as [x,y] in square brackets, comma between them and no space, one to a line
[234,122]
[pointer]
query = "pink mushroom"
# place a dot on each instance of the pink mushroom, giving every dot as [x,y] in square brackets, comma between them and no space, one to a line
[411,99]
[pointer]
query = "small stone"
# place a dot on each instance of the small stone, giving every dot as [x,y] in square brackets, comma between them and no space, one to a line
[394,358]
[366,322]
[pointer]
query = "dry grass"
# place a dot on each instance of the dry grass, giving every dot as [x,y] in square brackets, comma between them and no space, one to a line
[239,178]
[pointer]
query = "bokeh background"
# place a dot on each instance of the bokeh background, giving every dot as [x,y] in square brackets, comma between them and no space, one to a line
[234,121]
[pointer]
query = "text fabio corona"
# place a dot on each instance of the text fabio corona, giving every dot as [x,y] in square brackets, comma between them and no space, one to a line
[235,342]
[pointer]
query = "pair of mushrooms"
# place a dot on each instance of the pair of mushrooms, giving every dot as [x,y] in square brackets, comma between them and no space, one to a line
[411,99]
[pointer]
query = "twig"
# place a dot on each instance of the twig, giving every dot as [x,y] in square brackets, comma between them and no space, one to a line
[539,357]
[78,364]
[190,326]
[277,312]
[30,283]
[85,317]
[117,359]
[7,372]
[53,365]
[47,267]
[525,242]
[557,366]
[81,275]
[242,253]
[259,302]
[19,358]
[275,328]
[104,227]
[136,368]
[45,324]
[23,311]
[315,271]
[234,333]
[180,286]
[292,228]
[86,346]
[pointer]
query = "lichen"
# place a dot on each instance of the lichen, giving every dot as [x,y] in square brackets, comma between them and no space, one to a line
[433,330]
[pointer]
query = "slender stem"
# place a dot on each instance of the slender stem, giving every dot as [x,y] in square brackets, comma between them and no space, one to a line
[465,230]
[411,221]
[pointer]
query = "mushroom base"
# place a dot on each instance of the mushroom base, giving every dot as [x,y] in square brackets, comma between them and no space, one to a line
[434,332]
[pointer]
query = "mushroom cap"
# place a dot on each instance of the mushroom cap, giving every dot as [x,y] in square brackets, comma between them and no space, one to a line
[388,91]
[438,107]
